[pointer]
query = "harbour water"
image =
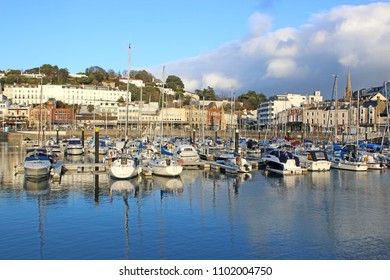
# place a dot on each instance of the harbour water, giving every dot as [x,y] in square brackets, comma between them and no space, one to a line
[202,215]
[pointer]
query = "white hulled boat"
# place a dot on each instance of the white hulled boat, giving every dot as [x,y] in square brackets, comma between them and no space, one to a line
[348,161]
[37,164]
[283,162]
[237,163]
[123,166]
[165,167]
[186,153]
[315,160]
[74,147]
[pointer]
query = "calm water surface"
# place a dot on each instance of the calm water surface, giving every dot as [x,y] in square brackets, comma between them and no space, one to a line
[201,215]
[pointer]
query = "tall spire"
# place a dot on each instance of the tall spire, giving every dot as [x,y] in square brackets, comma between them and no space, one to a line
[348,89]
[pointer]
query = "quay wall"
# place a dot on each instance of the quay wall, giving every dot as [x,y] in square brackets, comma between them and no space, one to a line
[15,138]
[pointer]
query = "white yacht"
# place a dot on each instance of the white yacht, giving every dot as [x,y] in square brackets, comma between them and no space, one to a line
[123,166]
[186,153]
[315,160]
[74,147]
[165,167]
[37,164]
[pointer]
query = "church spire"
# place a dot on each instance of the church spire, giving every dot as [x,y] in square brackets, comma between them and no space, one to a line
[348,89]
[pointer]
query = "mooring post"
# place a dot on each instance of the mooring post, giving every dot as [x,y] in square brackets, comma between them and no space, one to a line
[57,136]
[96,147]
[193,137]
[237,137]
[96,189]
[82,137]
[215,137]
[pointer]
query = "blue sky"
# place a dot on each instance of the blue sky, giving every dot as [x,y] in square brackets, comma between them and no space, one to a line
[267,46]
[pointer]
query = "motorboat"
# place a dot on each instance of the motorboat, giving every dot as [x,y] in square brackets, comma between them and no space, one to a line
[208,152]
[374,161]
[282,162]
[237,163]
[315,160]
[74,147]
[37,164]
[186,154]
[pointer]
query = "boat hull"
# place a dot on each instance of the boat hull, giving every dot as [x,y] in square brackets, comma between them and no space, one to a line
[347,165]
[289,167]
[37,169]
[123,171]
[165,167]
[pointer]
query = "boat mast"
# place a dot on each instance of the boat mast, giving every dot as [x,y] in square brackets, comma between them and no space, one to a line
[40,140]
[162,104]
[336,108]
[127,95]
[139,126]
[387,121]
[202,123]
[358,120]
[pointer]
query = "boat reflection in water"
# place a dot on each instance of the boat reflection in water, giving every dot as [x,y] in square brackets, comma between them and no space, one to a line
[75,158]
[37,186]
[167,185]
[39,189]
[125,187]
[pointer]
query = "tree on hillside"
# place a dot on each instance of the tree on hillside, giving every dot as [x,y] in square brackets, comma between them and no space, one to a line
[97,74]
[175,83]
[151,94]
[62,76]
[251,100]
[112,74]
[208,94]
[145,76]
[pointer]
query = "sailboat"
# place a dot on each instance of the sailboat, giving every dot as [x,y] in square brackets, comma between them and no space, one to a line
[123,165]
[37,163]
[165,165]
[348,159]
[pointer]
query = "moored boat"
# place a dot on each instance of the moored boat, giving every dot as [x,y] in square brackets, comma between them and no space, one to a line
[37,164]
[186,154]
[123,166]
[165,167]
[74,147]
[315,160]
[283,163]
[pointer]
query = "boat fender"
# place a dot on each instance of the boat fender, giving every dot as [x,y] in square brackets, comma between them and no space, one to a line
[180,161]
[238,160]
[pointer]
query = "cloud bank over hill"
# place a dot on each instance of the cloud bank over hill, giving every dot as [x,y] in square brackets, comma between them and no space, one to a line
[297,60]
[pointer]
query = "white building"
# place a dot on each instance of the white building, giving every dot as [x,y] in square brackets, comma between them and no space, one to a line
[70,94]
[137,82]
[267,111]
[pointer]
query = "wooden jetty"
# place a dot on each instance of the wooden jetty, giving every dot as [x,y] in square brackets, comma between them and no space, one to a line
[198,164]
[85,167]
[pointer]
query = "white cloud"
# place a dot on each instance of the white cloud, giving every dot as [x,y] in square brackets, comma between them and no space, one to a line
[215,80]
[281,68]
[259,24]
[300,59]
[191,85]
